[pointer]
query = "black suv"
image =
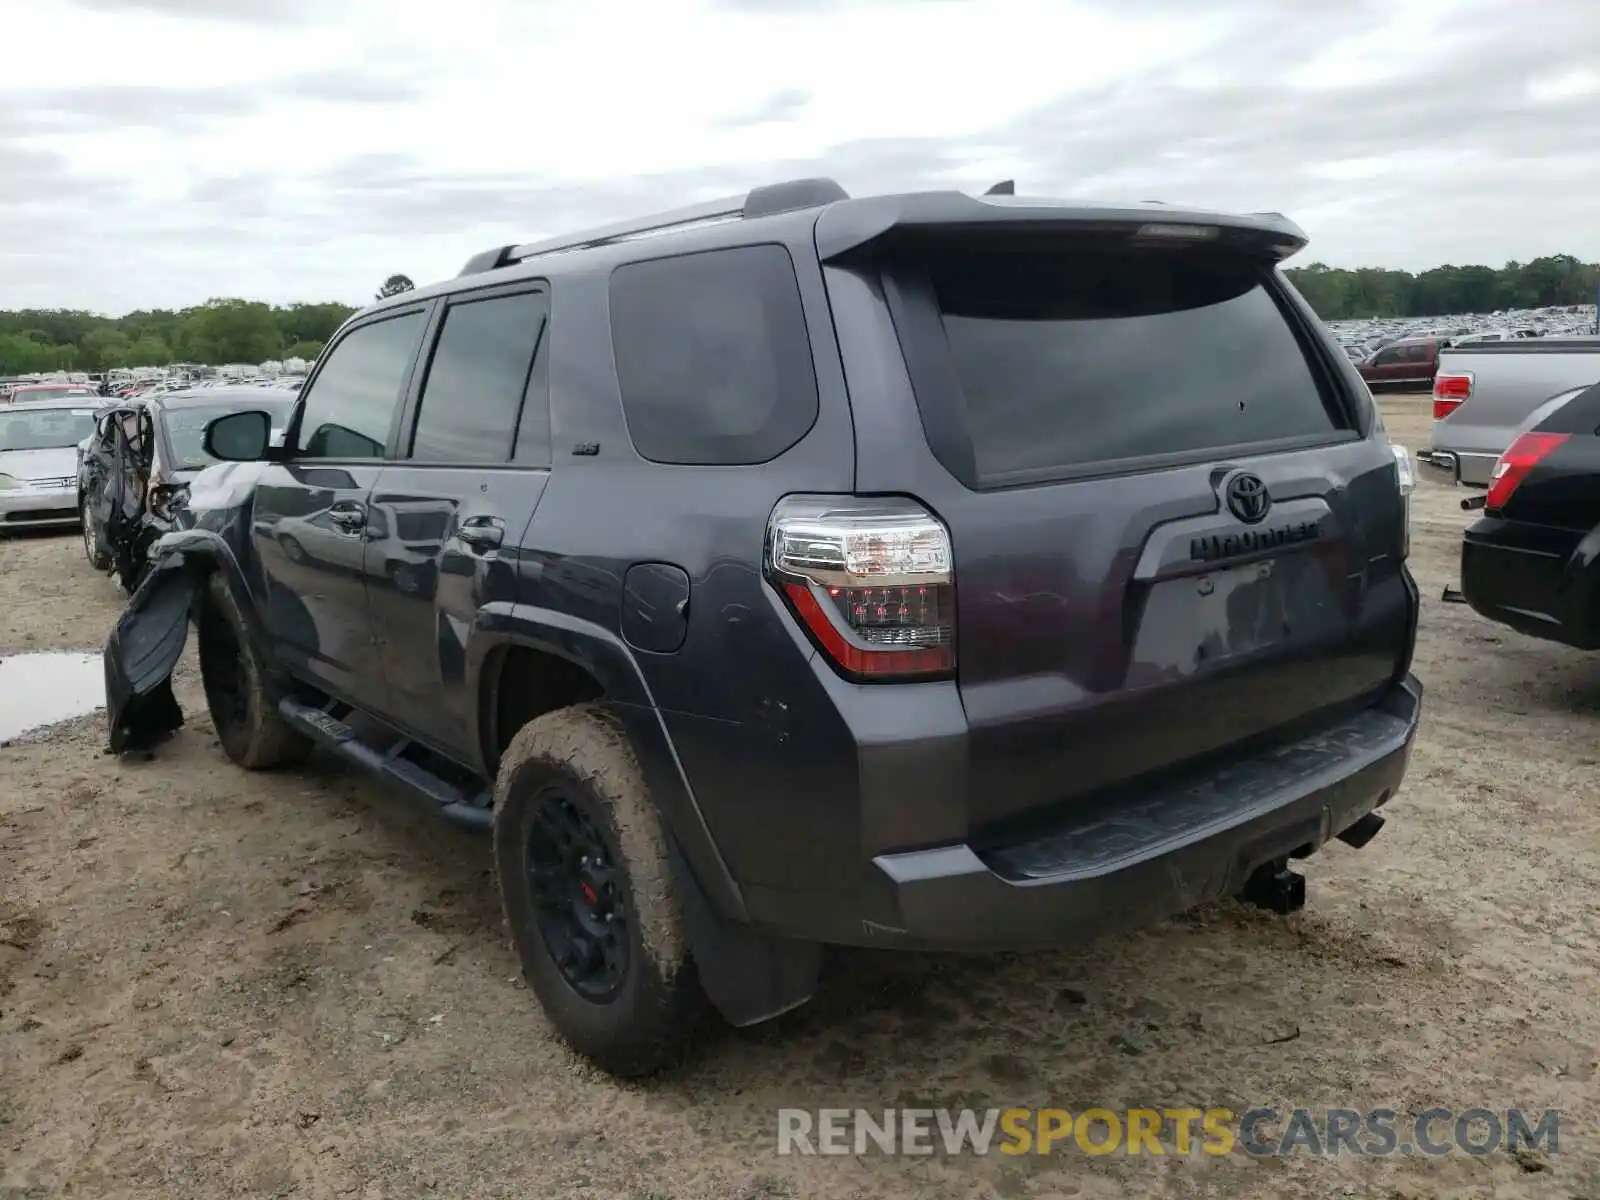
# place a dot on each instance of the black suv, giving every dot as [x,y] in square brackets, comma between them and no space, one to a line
[927,571]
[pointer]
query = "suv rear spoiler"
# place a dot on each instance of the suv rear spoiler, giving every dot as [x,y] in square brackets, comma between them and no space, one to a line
[845,224]
[843,229]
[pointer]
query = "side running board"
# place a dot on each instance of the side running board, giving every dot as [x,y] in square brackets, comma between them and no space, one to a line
[439,795]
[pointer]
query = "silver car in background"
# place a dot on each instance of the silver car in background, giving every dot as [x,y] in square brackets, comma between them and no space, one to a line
[39,462]
[1483,393]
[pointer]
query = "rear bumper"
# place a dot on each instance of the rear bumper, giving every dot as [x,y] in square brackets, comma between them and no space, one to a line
[1535,580]
[1143,858]
[1451,467]
[29,509]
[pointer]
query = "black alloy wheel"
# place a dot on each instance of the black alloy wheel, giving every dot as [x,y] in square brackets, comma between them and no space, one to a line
[582,911]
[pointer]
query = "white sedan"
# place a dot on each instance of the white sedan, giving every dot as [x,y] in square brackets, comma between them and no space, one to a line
[39,462]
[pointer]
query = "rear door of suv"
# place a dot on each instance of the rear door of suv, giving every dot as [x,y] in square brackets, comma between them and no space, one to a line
[472,462]
[1175,536]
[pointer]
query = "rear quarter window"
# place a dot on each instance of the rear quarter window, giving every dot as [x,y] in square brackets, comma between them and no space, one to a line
[1070,360]
[712,354]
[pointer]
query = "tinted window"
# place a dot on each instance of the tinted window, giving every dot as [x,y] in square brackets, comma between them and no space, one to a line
[1065,359]
[477,380]
[1390,355]
[351,403]
[712,355]
[533,429]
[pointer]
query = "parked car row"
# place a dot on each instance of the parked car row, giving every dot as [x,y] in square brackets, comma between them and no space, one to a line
[122,384]
[1532,561]
[1485,394]
[27,391]
[1364,338]
[118,470]
[134,471]
[1520,420]
[1416,362]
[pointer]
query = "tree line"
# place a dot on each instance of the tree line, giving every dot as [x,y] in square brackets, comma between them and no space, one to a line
[248,331]
[1340,294]
[216,332]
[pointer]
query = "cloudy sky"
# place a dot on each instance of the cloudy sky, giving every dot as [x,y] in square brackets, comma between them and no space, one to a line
[158,152]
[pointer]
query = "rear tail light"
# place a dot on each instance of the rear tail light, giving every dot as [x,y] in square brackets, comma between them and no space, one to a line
[871,580]
[1450,392]
[1513,466]
[1406,478]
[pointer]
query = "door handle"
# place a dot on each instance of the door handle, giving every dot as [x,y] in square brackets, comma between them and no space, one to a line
[348,520]
[482,533]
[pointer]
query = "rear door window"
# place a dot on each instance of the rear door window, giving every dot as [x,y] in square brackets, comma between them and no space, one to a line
[712,356]
[1067,361]
[477,381]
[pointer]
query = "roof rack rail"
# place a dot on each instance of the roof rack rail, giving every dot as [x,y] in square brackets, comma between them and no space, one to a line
[764,201]
[488,260]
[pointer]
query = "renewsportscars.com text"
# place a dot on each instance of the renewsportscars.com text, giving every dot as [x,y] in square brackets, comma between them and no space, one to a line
[1262,1132]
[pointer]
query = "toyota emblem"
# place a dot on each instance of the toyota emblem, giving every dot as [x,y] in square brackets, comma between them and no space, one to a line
[1247,497]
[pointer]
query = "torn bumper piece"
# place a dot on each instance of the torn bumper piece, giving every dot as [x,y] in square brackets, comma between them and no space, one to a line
[141,653]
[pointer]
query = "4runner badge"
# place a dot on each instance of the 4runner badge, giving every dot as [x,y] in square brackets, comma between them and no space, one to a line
[1213,546]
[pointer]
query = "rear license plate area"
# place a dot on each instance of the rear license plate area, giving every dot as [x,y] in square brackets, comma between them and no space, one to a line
[1196,622]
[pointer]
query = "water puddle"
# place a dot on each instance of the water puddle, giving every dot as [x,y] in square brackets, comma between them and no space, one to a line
[40,689]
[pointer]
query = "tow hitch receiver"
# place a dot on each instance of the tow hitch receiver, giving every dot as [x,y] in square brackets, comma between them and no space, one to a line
[1273,886]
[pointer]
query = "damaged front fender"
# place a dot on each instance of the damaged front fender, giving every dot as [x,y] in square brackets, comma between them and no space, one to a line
[142,651]
[149,636]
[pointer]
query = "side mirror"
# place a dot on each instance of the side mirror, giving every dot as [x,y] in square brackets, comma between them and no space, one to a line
[239,437]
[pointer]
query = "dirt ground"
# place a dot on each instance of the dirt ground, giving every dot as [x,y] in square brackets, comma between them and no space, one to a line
[215,984]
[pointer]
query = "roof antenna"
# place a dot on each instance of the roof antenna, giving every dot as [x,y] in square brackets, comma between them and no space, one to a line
[1006,187]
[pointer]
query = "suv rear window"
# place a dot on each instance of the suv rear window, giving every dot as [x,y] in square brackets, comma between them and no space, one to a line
[1067,360]
[713,356]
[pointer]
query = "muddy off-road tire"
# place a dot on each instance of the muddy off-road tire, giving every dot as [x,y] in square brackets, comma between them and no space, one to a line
[93,548]
[243,708]
[577,838]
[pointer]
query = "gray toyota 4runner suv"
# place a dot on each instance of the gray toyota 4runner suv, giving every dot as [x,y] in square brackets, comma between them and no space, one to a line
[925,571]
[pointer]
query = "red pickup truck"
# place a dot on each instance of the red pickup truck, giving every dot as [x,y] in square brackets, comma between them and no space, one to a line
[1410,363]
